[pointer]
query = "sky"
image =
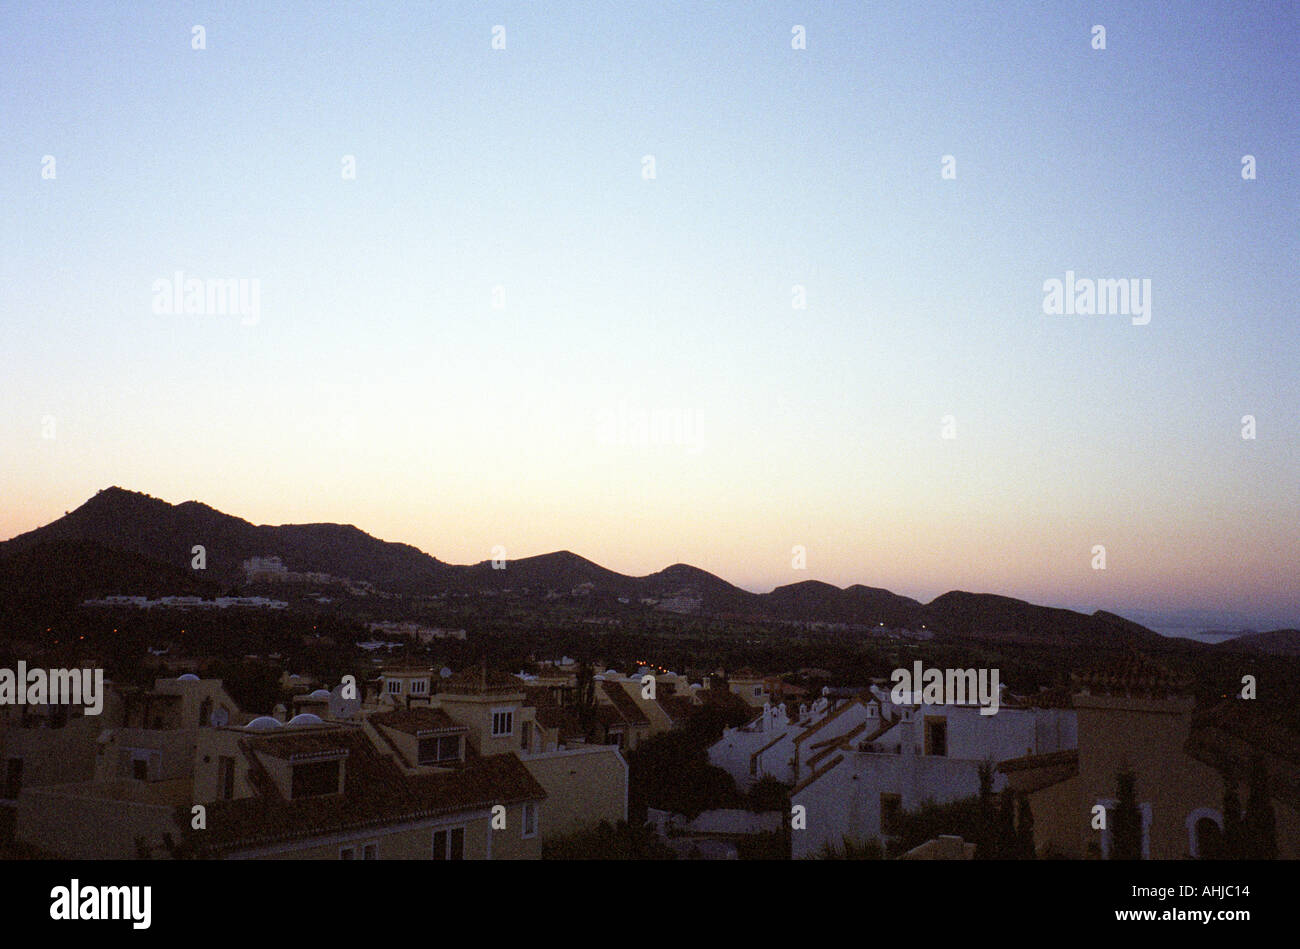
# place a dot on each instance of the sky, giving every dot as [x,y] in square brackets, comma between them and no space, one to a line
[558,304]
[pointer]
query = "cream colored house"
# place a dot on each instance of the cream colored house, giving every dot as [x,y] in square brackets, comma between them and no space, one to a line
[1136,716]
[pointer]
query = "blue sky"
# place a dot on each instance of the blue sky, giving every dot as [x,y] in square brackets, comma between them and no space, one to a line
[380,385]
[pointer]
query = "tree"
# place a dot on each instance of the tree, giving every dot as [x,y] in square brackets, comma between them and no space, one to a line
[620,841]
[1024,849]
[1234,831]
[1126,833]
[1005,843]
[585,699]
[769,794]
[986,820]
[1259,820]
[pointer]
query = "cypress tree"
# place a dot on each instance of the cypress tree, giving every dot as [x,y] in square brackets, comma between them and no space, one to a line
[1024,829]
[985,819]
[1260,822]
[1126,836]
[1233,830]
[1006,831]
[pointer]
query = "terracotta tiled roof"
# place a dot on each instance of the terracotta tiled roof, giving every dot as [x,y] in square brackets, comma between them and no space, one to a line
[625,704]
[418,721]
[376,793]
[723,698]
[299,745]
[1231,734]
[1049,760]
[1035,772]
[563,720]
[1131,674]
[1047,698]
[678,708]
[539,696]
[478,680]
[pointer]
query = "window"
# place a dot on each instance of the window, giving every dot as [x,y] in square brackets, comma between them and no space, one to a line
[443,748]
[314,779]
[891,810]
[225,777]
[936,735]
[419,687]
[370,852]
[758,690]
[530,820]
[347,853]
[525,735]
[449,844]
[14,778]
[140,769]
[394,686]
[503,723]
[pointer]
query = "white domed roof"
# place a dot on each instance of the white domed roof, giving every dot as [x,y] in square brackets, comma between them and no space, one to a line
[188,677]
[320,694]
[306,718]
[263,723]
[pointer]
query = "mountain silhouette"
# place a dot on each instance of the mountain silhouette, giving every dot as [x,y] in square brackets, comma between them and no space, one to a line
[159,540]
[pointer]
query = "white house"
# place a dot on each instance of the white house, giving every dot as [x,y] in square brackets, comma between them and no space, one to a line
[896,757]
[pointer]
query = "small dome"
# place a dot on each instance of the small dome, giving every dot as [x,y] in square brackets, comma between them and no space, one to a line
[322,694]
[188,677]
[262,723]
[306,718]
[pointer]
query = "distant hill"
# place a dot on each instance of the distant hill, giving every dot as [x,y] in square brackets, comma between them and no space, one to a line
[152,528]
[1004,619]
[823,601]
[58,575]
[159,538]
[1276,642]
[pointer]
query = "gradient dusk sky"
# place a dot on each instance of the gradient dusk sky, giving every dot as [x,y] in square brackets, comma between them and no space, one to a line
[381,385]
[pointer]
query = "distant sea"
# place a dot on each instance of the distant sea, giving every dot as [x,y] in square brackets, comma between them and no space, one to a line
[1201,636]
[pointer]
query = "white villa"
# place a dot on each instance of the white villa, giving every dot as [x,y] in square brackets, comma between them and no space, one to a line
[858,763]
